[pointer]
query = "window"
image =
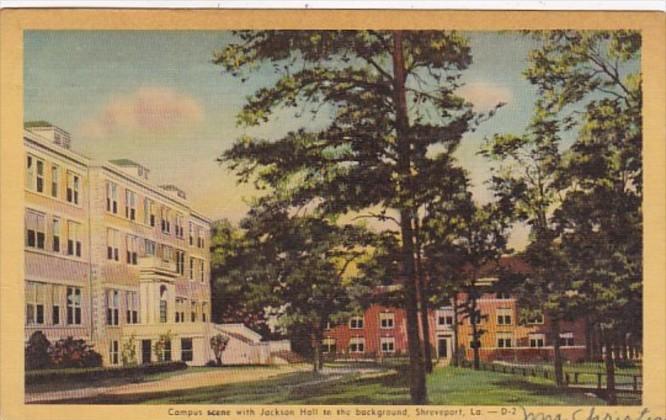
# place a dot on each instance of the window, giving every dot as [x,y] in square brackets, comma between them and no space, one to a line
[535,319]
[131,250]
[55,180]
[566,339]
[165,222]
[180,262]
[193,313]
[202,270]
[167,253]
[73,238]
[148,212]
[111,197]
[73,306]
[179,226]
[503,295]
[387,344]
[191,268]
[163,304]
[476,317]
[191,234]
[445,320]
[357,345]
[504,316]
[186,349]
[112,252]
[504,340]
[112,307]
[537,340]
[55,234]
[73,185]
[35,230]
[166,352]
[113,352]
[132,305]
[34,300]
[328,345]
[39,186]
[57,297]
[180,309]
[200,238]
[30,172]
[386,320]
[150,247]
[356,323]
[130,204]
[204,311]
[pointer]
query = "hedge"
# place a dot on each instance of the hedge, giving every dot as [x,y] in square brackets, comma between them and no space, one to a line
[93,374]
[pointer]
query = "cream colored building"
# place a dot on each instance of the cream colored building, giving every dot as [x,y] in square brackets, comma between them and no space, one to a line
[111,258]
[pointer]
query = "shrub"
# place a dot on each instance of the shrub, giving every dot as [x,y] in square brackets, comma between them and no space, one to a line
[73,353]
[128,354]
[37,352]
[98,373]
[162,347]
[211,363]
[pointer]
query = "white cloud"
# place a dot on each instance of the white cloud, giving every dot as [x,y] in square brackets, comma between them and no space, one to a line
[147,109]
[485,95]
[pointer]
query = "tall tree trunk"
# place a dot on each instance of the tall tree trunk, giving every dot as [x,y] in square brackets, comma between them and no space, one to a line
[557,352]
[476,342]
[316,354]
[417,386]
[611,396]
[423,299]
[588,340]
[456,346]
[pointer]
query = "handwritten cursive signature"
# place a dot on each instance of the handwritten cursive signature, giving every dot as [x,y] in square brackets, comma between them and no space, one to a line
[592,413]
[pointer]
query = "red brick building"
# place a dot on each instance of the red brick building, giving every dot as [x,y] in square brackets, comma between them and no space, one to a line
[382,332]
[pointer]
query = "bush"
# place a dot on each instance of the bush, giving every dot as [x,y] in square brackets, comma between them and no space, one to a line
[98,373]
[37,352]
[211,363]
[74,353]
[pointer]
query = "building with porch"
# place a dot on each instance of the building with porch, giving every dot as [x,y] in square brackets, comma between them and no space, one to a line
[113,259]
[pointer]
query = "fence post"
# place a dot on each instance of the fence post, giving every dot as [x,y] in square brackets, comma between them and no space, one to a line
[598,380]
[567,378]
[576,377]
[524,371]
[635,383]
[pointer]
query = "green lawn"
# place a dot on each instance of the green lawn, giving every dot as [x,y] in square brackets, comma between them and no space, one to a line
[588,372]
[446,386]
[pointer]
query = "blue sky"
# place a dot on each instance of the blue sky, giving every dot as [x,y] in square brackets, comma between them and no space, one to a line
[155,97]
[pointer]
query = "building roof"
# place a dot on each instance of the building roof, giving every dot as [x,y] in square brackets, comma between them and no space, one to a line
[38,123]
[125,162]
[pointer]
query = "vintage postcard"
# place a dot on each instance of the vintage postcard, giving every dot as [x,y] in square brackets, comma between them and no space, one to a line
[332,214]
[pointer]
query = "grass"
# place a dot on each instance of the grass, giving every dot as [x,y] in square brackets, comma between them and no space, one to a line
[446,386]
[588,372]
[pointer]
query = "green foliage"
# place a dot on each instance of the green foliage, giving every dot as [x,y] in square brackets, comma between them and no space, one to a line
[37,352]
[160,345]
[128,352]
[218,343]
[231,257]
[73,353]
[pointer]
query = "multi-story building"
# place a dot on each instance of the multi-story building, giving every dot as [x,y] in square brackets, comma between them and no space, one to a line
[111,258]
[381,331]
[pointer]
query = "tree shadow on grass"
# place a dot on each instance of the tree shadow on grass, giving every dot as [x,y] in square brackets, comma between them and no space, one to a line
[292,388]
